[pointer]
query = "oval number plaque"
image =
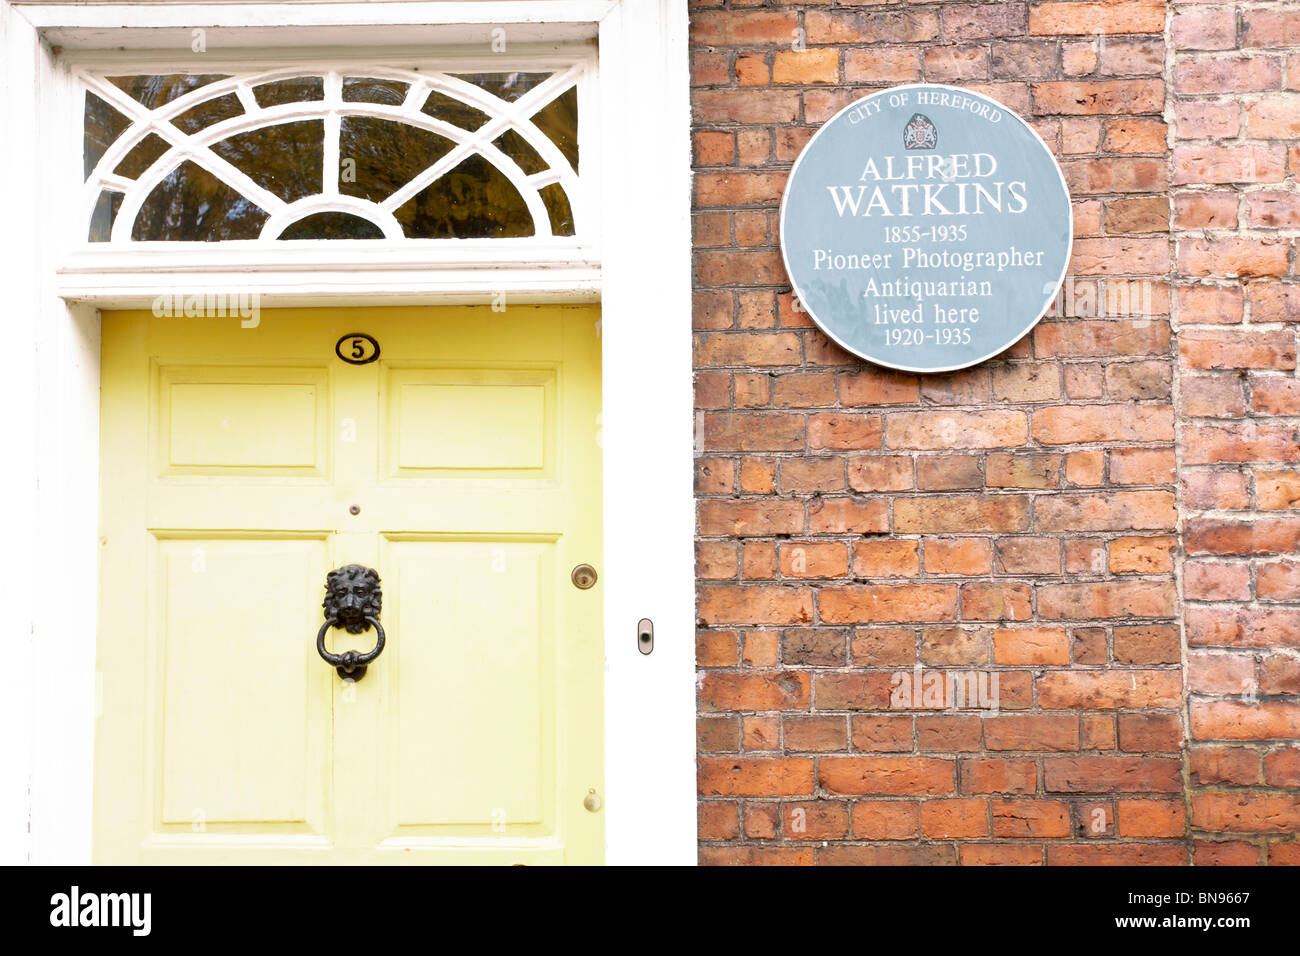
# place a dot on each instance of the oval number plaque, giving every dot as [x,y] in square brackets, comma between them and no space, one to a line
[926,228]
[357,348]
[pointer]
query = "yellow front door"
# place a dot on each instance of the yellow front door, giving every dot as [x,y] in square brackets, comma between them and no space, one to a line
[239,466]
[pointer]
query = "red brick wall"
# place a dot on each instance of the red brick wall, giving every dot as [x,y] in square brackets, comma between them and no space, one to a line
[1235,168]
[1019,517]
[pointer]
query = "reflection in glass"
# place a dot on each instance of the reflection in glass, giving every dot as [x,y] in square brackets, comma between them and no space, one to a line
[366,90]
[105,214]
[102,126]
[209,113]
[298,89]
[156,90]
[142,156]
[443,107]
[285,159]
[559,121]
[387,155]
[508,86]
[517,148]
[558,209]
[473,201]
[332,225]
[191,204]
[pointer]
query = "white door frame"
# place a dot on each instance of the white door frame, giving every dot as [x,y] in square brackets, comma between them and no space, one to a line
[49,323]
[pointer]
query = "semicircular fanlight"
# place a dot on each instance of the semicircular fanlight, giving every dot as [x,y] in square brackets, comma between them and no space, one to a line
[215,157]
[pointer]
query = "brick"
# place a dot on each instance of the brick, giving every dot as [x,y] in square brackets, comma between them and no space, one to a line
[722,605]
[814,734]
[821,820]
[1112,775]
[887,775]
[959,513]
[1089,97]
[1234,720]
[806,66]
[996,601]
[718,820]
[1147,644]
[755,776]
[880,473]
[805,475]
[756,856]
[856,604]
[1143,555]
[886,820]
[1200,29]
[1228,164]
[879,733]
[1031,647]
[1150,818]
[1065,18]
[1270,28]
[997,775]
[1075,424]
[741,518]
[1274,117]
[885,558]
[1101,339]
[958,556]
[1032,732]
[949,473]
[813,559]
[1249,813]
[1131,854]
[1247,258]
[848,515]
[956,817]
[952,429]
[1242,74]
[1108,511]
[1109,690]
[1030,818]
[844,430]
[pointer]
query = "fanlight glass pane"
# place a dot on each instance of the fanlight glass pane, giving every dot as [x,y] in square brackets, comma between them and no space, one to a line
[141,156]
[453,111]
[508,86]
[209,113]
[332,225]
[213,157]
[473,201]
[101,221]
[102,125]
[284,159]
[559,121]
[154,91]
[558,209]
[365,90]
[298,89]
[377,157]
[193,205]
[518,149]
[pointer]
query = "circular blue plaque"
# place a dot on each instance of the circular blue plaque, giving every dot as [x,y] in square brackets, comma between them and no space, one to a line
[926,228]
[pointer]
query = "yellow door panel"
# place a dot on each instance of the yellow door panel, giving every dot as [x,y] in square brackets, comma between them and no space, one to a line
[239,466]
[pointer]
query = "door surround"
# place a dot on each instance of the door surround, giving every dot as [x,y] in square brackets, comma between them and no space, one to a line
[52,392]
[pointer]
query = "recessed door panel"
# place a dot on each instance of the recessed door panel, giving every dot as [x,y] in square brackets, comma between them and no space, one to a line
[217,420]
[475,707]
[471,422]
[241,734]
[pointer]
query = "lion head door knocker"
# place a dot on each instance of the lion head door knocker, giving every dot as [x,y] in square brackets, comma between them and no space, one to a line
[353,602]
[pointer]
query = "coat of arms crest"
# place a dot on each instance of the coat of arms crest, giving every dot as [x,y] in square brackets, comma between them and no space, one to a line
[919,133]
